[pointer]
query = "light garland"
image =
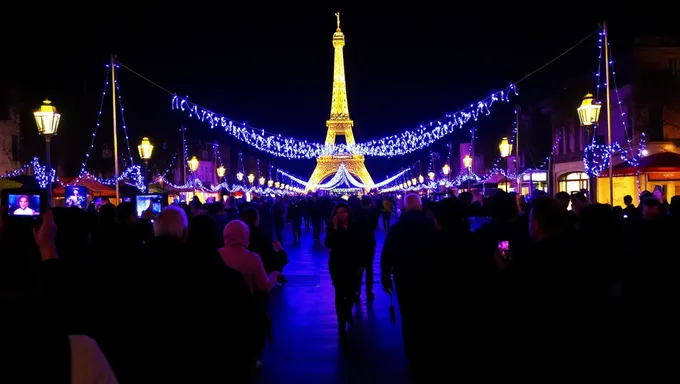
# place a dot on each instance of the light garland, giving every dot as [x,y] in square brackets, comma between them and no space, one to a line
[596,157]
[406,142]
[122,118]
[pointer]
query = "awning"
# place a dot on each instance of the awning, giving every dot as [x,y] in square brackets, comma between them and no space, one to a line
[658,162]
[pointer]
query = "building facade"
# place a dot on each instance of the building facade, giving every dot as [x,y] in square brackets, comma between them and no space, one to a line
[10,142]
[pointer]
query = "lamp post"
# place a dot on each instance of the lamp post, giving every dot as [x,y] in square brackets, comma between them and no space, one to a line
[220,172]
[239,176]
[193,164]
[467,162]
[421,179]
[446,169]
[589,116]
[47,119]
[145,151]
[505,148]
[262,180]
[431,175]
[251,178]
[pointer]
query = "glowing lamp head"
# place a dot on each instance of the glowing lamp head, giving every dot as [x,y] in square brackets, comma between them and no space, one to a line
[193,164]
[413,181]
[277,184]
[251,178]
[589,111]
[221,171]
[421,179]
[239,176]
[431,175]
[145,149]
[262,180]
[270,183]
[505,147]
[446,169]
[47,119]
[467,161]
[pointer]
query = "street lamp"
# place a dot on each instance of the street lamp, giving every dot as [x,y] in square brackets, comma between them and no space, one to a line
[589,116]
[239,176]
[589,111]
[262,180]
[431,175]
[446,169]
[421,179]
[193,164]
[145,151]
[467,162]
[221,171]
[47,119]
[505,148]
[270,183]
[251,178]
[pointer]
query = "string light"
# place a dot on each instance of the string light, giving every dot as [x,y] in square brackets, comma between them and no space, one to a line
[400,144]
[596,157]
[122,118]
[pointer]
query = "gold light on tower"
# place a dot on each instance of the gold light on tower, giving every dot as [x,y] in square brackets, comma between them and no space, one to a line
[446,169]
[505,147]
[145,149]
[262,180]
[193,164]
[221,171]
[239,176]
[47,118]
[467,161]
[270,183]
[589,111]
[251,178]
[431,175]
[421,179]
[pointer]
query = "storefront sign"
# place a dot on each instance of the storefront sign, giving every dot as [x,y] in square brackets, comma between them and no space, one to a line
[660,176]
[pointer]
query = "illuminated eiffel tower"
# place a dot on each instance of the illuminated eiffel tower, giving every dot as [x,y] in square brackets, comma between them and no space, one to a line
[339,124]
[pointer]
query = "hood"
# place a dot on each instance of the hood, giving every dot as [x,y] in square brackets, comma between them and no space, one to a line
[236,234]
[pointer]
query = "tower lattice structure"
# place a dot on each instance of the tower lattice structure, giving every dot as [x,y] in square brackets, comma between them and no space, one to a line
[339,124]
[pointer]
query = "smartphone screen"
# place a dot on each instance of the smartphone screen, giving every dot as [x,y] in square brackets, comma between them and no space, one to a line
[23,205]
[504,248]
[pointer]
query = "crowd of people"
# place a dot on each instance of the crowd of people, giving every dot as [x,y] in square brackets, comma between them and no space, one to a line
[101,296]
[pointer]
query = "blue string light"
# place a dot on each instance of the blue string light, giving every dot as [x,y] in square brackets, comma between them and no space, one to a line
[596,157]
[122,118]
[400,144]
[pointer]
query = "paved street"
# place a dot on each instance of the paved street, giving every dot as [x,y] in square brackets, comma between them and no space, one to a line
[306,347]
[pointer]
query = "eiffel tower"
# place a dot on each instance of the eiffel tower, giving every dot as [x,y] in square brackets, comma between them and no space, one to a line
[339,124]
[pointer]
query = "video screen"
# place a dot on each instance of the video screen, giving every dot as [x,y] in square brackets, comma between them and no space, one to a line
[143,202]
[477,222]
[75,196]
[23,205]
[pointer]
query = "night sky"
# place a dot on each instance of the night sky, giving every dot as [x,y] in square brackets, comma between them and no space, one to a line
[272,68]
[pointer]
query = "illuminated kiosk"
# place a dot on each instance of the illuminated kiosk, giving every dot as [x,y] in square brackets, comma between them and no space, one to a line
[339,124]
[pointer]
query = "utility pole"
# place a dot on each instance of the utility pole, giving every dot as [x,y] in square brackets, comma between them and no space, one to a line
[115,130]
[609,114]
[518,161]
[184,155]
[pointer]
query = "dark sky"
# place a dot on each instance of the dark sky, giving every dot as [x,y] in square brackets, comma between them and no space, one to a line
[405,65]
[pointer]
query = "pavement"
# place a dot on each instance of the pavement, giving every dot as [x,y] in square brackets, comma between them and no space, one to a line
[306,347]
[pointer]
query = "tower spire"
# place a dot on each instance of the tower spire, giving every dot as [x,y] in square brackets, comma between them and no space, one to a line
[339,124]
[339,105]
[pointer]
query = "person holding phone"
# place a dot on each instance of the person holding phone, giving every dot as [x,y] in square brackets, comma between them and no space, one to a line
[344,265]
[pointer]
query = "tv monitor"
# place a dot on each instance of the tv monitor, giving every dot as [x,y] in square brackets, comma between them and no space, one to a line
[75,196]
